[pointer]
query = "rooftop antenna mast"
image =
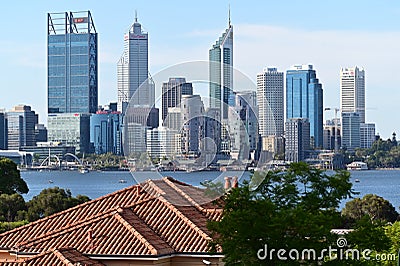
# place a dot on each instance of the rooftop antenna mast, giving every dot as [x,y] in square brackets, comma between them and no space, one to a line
[135,15]
[229,15]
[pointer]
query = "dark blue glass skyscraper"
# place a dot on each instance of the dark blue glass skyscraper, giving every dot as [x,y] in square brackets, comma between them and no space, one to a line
[72,63]
[304,99]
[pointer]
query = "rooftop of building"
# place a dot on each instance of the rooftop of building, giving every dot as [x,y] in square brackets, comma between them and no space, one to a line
[153,219]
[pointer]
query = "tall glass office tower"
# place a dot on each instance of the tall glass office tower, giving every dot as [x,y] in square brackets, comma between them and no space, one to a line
[133,70]
[304,99]
[221,71]
[72,78]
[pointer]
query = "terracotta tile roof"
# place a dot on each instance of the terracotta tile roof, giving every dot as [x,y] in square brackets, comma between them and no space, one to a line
[56,257]
[122,197]
[157,217]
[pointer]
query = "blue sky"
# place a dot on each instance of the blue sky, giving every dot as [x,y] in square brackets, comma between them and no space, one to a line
[327,34]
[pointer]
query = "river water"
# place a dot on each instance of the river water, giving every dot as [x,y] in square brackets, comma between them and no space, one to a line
[385,183]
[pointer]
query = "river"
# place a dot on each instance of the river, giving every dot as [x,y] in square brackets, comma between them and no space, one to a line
[385,183]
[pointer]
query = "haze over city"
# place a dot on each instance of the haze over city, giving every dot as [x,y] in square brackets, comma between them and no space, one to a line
[327,35]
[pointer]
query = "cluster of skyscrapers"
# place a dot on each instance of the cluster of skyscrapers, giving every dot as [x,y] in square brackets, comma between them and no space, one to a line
[281,119]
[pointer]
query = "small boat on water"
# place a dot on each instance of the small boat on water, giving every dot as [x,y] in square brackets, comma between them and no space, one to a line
[50,181]
[122,181]
[357,180]
[83,170]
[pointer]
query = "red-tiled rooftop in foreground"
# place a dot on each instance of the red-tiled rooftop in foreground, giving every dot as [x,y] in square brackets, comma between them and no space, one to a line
[56,257]
[155,218]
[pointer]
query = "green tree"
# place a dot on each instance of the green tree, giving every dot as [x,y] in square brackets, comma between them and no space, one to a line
[213,190]
[295,209]
[6,226]
[375,207]
[10,178]
[369,235]
[393,233]
[10,205]
[50,201]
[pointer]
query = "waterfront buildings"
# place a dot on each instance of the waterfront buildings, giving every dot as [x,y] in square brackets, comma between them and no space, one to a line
[352,91]
[367,135]
[132,70]
[172,92]
[72,63]
[53,149]
[270,102]
[21,121]
[351,131]
[304,99]
[297,133]
[106,132]
[70,130]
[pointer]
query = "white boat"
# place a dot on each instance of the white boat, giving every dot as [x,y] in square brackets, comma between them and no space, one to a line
[122,181]
[357,166]
[83,171]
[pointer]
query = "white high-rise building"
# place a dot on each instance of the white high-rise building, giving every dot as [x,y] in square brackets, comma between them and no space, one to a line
[161,143]
[132,70]
[270,102]
[352,91]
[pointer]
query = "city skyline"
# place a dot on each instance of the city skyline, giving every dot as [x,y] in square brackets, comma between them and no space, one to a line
[367,43]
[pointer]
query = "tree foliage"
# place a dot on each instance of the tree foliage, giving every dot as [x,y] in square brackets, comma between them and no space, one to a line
[50,201]
[292,209]
[5,226]
[368,235]
[382,154]
[10,179]
[10,206]
[375,207]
